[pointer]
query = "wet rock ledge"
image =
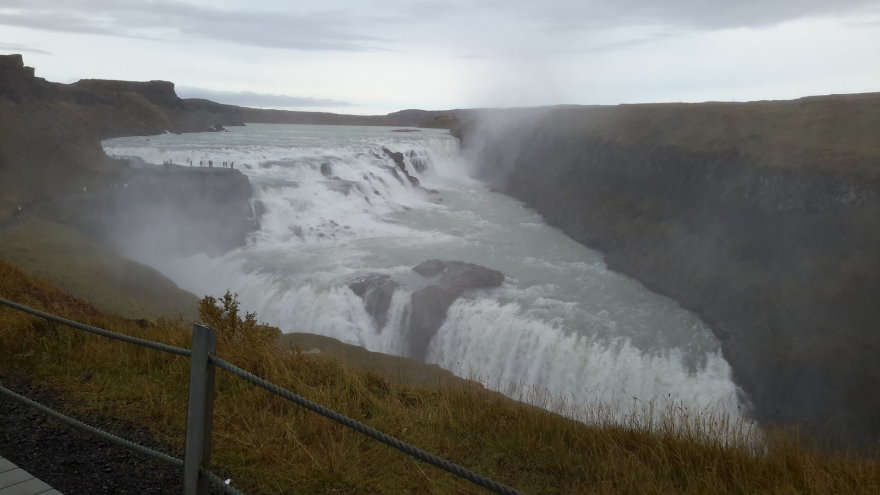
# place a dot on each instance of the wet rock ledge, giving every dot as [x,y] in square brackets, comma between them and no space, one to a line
[446,281]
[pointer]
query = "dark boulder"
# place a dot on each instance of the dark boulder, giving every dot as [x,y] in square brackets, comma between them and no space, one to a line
[427,313]
[458,276]
[429,305]
[376,290]
[397,158]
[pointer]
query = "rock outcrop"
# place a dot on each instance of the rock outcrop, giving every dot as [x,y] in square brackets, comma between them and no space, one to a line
[17,82]
[397,158]
[762,218]
[376,290]
[52,162]
[429,305]
[160,93]
[446,281]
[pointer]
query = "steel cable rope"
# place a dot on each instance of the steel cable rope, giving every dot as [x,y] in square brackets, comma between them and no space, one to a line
[146,451]
[373,433]
[109,436]
[180,351]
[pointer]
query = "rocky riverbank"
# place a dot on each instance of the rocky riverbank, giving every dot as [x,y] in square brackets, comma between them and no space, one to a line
[763,218]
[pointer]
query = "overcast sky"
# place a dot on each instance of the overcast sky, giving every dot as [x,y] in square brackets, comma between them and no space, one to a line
[375,56]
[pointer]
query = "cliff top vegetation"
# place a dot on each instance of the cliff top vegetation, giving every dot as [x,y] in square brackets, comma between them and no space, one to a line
[834,132]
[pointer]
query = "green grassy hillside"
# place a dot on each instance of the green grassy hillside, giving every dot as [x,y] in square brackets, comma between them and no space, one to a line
[270,446]
[836,132]
[90,272]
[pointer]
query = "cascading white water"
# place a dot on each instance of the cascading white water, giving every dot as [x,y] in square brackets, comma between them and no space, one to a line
[337,207]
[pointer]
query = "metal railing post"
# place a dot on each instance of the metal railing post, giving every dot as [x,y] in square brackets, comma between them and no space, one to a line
[200,409]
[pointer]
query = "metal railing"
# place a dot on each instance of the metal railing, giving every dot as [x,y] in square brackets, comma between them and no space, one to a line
[200,404]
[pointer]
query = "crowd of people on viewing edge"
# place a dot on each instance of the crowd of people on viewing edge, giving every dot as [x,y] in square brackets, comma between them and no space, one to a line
[202,163]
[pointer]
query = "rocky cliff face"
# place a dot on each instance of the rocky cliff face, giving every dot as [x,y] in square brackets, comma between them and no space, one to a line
[774,246]
[165,211]
[445,281]
[52,162]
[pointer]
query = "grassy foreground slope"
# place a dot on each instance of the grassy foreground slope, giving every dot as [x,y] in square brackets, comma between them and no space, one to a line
[271,446]
[89,271]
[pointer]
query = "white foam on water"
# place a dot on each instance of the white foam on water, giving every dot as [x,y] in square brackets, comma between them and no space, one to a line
[338,208]
[494,338]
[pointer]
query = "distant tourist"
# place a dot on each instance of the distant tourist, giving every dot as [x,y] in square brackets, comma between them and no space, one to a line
[210,164]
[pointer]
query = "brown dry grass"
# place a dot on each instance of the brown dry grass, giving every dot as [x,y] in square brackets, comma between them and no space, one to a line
[272,446]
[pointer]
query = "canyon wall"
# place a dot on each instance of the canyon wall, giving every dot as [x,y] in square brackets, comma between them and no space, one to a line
[763,218]
[52,162]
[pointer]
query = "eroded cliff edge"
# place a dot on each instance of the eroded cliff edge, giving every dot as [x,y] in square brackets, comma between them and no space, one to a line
[763,218]
[52,162]
[54,167]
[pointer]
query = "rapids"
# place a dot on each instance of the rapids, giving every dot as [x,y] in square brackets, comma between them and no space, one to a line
[336,207]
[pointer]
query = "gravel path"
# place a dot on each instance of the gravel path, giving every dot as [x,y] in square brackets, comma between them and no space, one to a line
[75,462]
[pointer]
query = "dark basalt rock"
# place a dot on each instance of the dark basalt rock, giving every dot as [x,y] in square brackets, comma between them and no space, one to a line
[17,82]
[159,92]
[458,276]
[376,290]
[427,313]
[397,157]
[761,242]
[429,305]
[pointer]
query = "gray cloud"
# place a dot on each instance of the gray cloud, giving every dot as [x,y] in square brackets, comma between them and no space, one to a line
[16,48]
[169,20]
[250,99]
[528,29]
[472,26]
[693,14]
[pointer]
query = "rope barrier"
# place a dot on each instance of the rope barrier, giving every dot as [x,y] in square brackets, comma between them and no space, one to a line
[155,454]
[373,433]
[180,351]
[145,451]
